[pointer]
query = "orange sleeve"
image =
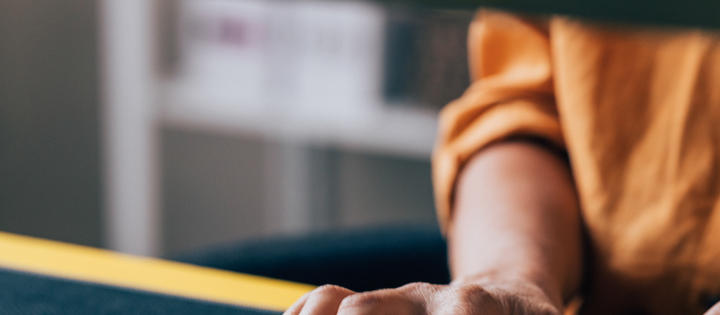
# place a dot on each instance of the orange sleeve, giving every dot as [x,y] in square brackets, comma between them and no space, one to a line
[511,95]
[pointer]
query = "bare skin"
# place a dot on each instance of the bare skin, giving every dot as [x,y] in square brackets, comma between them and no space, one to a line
[514,242]
[715,310]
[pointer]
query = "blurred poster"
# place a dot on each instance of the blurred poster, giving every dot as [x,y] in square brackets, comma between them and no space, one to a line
[321,60]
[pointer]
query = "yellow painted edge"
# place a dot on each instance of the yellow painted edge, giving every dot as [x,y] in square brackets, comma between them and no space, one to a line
[96,265]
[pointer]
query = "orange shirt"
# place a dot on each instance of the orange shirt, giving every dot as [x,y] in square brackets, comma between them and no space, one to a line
[638,112]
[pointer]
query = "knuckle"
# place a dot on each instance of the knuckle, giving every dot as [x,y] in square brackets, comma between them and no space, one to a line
[472,294]
[468,300]
[422,290]
[329,289]
[362,300]
[418,286]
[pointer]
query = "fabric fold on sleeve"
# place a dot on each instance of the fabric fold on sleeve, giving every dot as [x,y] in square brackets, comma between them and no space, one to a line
[511,95]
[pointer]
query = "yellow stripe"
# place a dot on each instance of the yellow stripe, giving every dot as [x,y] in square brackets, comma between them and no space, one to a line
[96,265]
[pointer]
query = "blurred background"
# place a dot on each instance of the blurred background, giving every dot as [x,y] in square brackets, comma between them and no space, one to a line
[163,127]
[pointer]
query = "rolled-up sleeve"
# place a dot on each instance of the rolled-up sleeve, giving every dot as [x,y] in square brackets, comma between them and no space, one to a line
[511,95]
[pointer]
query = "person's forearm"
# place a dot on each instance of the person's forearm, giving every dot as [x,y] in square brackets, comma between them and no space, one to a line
[516,215]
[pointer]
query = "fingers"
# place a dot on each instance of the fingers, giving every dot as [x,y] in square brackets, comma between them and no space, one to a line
[411,299]
[408,299]
[298,305]
[467,300]
[715,310]
[424,298]
[331,300]
[380,303]
[324,300]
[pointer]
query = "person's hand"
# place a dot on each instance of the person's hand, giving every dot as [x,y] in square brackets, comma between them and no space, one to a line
[715,310]
[487,297]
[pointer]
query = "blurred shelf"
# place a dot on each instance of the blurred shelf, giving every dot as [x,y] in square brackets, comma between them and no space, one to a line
[391,129]
[702,13]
